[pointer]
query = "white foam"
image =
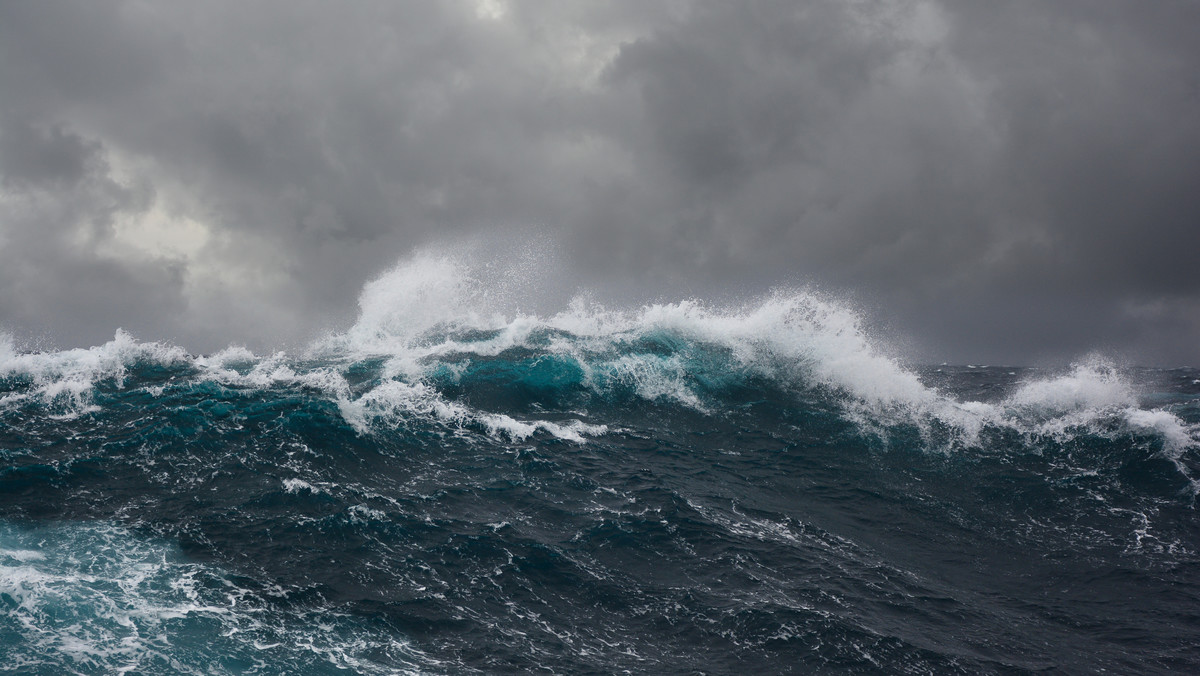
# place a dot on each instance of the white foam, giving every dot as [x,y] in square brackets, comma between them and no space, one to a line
[94,597]
[1090,399]
[413,298]
[230,356]
[298,485]
[65,380]
[396,403]
[363,514]
[652,377]
[1093,383]
[22,554]
[1175,434]
[8,350]
[275,371]
[1091,394]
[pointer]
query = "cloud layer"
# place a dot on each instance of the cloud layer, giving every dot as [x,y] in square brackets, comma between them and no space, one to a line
[997,181]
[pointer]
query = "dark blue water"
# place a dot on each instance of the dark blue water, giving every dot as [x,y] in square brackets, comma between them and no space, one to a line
[674,489]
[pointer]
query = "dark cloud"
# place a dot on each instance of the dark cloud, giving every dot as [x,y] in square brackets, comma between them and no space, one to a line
[998,181]
[31,156]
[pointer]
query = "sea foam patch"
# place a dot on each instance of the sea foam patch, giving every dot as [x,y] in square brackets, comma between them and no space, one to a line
[98,598]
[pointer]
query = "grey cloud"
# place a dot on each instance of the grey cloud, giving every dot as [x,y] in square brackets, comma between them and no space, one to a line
[30,156]
[1019,176]
[58,218]
[962,167]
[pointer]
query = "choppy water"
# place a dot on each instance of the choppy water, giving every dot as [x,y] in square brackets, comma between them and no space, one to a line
[676,488]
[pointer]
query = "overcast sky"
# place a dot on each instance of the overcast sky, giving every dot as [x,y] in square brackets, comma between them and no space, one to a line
[993,181]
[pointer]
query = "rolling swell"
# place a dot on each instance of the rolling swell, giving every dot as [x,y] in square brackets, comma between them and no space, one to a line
[447,488]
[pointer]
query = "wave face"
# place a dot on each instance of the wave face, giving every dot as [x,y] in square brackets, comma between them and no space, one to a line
[453,485]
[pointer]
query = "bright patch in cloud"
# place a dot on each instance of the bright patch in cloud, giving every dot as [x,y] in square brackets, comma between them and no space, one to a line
[493,10]
[158,232]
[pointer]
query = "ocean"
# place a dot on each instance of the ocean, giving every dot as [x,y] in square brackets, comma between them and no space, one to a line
[453,485]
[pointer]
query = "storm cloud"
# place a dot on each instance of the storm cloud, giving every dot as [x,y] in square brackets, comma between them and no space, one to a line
[993,181]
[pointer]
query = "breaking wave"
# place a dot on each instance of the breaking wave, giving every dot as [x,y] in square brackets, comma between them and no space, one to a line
[428,327]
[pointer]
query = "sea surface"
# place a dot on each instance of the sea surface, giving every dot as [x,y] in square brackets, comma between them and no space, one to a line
[675,488]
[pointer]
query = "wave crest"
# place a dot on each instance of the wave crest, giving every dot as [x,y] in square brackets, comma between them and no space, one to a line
[434,335]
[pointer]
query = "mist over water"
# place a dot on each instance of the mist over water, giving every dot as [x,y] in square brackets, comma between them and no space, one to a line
[476,478]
